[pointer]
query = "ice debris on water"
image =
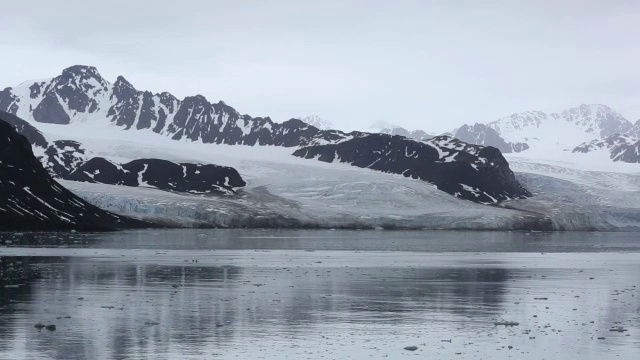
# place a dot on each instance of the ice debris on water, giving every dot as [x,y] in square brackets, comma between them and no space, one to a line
[411,348]
[506,323]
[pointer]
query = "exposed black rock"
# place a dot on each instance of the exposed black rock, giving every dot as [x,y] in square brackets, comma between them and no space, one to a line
[620,147]
[63,156]
[51,111]
[481,134]
[476,173]
[33,135]
[160,174]
[8,101]
[31,200]
[36,89]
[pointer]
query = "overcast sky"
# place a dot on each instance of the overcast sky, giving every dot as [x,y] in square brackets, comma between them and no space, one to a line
[429,65]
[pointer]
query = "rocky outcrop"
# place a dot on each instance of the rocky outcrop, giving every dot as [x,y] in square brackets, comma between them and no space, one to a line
[63,156]
[32,200]
[160,174]
[471,172]
[33,135]
[620,148]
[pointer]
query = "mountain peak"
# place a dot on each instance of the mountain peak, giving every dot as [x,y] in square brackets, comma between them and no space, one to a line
[83,72]
[121,82]
[318,122]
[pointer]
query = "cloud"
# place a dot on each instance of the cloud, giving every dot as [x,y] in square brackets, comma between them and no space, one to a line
[421,64]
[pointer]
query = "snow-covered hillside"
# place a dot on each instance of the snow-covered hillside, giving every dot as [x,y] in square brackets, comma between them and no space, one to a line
[578,193]
[537,132]
[80,99]
[619,147]
[286,191]
[563,130]
[318,122]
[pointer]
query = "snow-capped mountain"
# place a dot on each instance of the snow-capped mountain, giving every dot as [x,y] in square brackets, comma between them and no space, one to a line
[81,97]
[318,122]
[481,134]
[564,129]
[471,172]
[619,147]
[383,127]
[32,200]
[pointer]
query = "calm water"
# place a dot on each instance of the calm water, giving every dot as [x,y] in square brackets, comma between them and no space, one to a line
[319,294]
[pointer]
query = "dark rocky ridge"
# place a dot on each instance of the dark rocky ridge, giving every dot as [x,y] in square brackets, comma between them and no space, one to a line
[471,172]
[161,174]
[32,200]
[33,135]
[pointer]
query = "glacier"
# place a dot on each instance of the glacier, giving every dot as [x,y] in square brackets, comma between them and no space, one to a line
[285,191]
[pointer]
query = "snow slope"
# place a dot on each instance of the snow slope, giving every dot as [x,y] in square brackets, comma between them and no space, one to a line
[286,191]
[563,130]
[578,194]
[282,190]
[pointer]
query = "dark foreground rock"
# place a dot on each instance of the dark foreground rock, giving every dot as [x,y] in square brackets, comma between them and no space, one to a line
[476,173]
[33,135]
[31,200]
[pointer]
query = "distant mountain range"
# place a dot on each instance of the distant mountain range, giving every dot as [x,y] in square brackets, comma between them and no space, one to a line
[80,96]
[569,130]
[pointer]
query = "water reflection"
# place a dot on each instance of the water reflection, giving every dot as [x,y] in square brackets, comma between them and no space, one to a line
[162,303]
[136,308]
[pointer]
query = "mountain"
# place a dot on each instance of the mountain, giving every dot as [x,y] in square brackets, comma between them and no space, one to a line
[481,134]
[622,148]
[318,122]
[565,129]
[32,200]
[81,95]
[33,135]
[81,99]
[383,127]
[635,130]
[471,172]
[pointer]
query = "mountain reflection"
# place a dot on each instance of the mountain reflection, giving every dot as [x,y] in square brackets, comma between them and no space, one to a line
[134,308]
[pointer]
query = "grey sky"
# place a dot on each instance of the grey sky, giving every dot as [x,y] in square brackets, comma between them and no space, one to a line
[431,65]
